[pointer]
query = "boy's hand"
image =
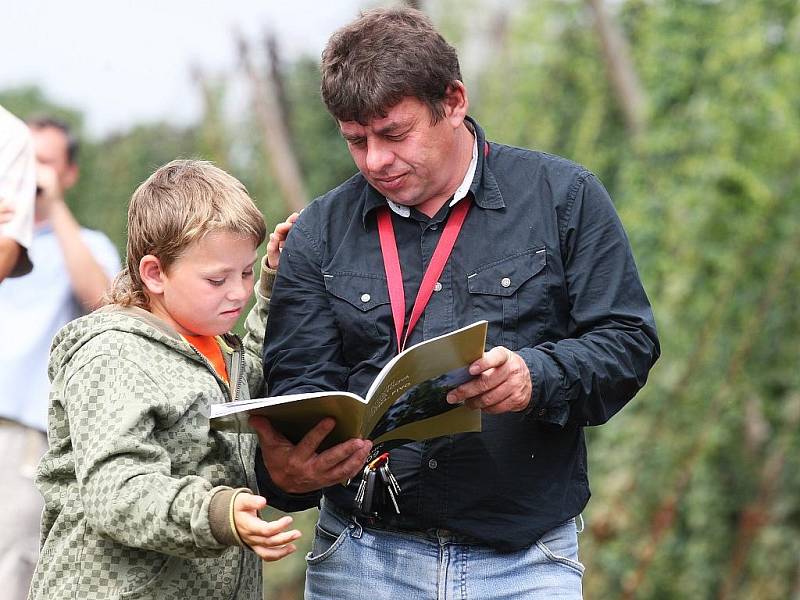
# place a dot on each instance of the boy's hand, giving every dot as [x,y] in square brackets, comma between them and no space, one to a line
[277,238]
[266,538]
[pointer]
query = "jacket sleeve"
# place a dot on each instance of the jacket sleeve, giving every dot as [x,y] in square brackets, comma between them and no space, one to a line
[254,325]
[124,476]
[589,376]
[302,351]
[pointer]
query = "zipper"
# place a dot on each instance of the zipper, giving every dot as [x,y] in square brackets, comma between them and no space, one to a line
[232,393]
[236,375]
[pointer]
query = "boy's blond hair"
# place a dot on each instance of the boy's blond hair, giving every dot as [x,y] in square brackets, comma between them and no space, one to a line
[176,207]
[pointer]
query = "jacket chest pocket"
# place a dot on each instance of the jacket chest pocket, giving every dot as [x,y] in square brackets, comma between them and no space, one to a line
[356,300]
[507,293]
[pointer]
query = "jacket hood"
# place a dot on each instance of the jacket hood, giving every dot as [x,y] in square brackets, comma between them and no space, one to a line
[130,319]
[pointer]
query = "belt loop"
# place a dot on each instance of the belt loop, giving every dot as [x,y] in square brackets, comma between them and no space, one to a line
[356,530]
[579,529]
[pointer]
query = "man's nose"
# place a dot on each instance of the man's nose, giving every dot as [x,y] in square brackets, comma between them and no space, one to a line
[378,157]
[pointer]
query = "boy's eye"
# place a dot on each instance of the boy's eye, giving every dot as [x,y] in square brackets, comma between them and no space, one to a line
[247,274]
[216,282]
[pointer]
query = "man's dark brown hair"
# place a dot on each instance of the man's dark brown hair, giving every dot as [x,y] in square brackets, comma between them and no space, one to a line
[386,55]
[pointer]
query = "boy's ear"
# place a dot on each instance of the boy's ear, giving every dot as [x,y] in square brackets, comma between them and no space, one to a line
[152,274]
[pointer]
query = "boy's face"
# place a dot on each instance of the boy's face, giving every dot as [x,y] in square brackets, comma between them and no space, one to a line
[205,290]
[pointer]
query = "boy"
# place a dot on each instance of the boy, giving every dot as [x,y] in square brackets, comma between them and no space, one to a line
[142,500]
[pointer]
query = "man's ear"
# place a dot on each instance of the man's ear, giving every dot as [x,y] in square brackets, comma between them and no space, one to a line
[456,103]
[152,274]
[70,176]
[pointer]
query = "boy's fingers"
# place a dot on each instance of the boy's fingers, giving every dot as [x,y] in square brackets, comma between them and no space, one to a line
[273,554]
[256,526]
[280,539]
[249,502]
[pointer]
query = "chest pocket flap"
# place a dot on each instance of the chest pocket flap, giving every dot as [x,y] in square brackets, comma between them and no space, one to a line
[505,276]
[364,292]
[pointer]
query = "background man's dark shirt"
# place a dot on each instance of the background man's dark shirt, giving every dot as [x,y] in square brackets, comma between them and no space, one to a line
[543,257]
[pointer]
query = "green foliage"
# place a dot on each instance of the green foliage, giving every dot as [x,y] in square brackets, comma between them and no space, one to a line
[695,484]
[708,195]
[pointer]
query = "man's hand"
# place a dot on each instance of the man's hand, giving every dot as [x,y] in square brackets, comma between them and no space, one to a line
[299,469]
[277,238]
[48,188]
[502,383]
[6,211]
[266,538]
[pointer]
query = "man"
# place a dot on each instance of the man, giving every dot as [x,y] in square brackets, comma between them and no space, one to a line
[72,267]
[17,185]
[541,255]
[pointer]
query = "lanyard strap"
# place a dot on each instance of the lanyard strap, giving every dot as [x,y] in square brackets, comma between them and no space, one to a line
[394,275]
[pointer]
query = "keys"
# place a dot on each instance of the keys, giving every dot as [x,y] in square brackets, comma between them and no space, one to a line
[359,499]
[377,482]
[391,486]
[368,507]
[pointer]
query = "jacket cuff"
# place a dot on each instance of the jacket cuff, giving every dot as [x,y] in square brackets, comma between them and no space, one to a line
[267,279]
[548,397]
[220,516]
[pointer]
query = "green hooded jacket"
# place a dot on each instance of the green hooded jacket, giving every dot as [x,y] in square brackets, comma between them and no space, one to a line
[137,488]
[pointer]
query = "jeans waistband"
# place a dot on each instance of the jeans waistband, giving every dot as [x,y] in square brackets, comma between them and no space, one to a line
[393,522]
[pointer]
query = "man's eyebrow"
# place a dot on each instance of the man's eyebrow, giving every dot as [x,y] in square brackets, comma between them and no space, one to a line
[351,136]
[393,127]
[389,128]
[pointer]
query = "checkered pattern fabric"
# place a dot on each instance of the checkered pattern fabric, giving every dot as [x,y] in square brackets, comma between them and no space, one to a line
[132,466]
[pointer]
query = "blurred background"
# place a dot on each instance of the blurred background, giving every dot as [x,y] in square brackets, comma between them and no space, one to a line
[688,111]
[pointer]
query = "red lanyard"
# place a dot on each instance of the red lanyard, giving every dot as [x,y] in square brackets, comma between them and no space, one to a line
[394,275]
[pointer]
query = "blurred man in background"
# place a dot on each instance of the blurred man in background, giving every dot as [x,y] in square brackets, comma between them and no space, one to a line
[17,188]
[73,267]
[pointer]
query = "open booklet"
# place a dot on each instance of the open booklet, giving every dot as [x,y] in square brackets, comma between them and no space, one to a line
[405,402]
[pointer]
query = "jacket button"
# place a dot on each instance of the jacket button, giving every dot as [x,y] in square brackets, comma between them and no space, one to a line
[437,287]
[365,298]
[505,282]
[432,464]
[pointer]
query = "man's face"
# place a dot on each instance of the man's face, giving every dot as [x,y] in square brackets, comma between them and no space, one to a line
[50,145]
[405,157]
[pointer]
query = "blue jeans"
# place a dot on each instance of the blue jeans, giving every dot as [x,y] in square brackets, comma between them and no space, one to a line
[349,561]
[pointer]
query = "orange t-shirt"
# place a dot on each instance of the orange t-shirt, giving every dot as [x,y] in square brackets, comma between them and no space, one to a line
[208,346]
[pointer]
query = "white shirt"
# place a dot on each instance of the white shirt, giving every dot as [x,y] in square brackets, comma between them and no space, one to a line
[17,184]
[32,310]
